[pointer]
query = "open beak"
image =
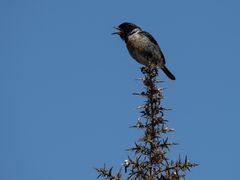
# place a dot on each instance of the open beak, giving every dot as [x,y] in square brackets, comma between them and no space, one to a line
[119,32]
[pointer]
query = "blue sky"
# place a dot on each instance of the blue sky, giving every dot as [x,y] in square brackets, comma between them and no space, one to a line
[66,84]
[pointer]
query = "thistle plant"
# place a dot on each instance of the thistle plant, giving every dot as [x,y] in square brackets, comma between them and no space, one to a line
[150,159]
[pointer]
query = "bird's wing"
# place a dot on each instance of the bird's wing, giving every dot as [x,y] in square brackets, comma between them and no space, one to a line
[151,38]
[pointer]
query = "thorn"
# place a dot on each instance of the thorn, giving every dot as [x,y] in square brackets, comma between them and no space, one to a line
[126,164]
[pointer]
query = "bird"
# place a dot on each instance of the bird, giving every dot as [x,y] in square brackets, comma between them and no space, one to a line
[142,46]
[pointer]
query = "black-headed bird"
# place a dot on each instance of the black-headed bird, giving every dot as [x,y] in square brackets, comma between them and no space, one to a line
[142,46]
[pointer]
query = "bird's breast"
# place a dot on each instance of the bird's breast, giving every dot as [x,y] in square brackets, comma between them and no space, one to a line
[136,42]
[136,45]
[142,50]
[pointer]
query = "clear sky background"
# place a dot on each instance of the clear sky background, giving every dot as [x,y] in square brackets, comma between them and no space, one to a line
[66,85]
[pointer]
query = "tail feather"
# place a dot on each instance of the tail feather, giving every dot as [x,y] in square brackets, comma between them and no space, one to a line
[168,73]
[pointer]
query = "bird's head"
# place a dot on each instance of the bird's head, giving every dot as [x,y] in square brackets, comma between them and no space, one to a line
[125,29]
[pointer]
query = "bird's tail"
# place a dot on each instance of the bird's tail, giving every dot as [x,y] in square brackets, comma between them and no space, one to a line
[168,73]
